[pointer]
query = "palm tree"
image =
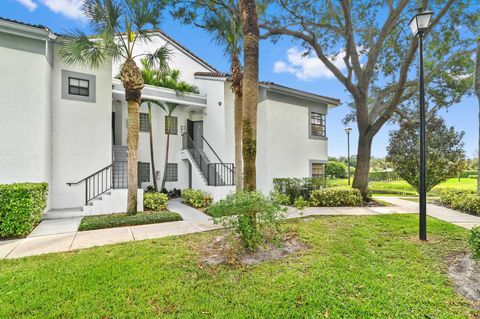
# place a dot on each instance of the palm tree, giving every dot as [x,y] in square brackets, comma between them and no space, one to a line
[250,91]
[163,77]
[226,27]
[119,25]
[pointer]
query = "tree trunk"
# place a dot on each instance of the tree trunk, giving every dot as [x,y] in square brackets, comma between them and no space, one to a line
[152,156]
[164,179]
[133,83]
[238,143]
[250,91]
[477,92]
[364,153]
[132,148]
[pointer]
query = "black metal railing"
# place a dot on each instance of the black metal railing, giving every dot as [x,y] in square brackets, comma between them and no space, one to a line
[97,183]
[216,174]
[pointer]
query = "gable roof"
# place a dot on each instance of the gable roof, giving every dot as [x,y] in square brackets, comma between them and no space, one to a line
[36,31]
[274,87]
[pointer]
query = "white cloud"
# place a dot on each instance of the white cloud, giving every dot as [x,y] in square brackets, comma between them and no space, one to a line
[307,67]
[29,4]
[69,8]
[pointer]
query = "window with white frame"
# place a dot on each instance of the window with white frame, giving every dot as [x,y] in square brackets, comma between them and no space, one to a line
[144,122]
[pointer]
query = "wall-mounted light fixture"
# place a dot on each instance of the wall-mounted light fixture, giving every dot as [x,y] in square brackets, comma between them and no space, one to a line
[182,129]
[219,103]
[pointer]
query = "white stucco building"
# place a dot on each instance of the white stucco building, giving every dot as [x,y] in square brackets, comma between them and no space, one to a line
[67,125]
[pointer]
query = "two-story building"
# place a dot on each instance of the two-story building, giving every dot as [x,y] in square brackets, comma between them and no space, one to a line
[67,125]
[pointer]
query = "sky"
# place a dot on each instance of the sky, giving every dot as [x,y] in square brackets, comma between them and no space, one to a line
[281,63]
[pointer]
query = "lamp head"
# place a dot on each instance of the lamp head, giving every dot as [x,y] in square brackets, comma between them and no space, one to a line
[421,21]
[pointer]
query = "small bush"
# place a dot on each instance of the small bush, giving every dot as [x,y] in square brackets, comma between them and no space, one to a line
[474,242]
[252,215]
[120,220]
[21,207]
[280,198]
[155,201]
[173,193]
[197,198]
[300,203]
[336,196]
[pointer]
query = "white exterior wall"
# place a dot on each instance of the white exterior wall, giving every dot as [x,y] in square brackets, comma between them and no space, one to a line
[82,135]
[180,60]
[25,105]
[284,147]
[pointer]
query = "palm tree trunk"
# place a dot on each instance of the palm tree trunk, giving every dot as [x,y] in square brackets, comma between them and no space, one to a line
[152,157]
[132,148]
[250,91]
[133,83]
[238,143]
[164,179]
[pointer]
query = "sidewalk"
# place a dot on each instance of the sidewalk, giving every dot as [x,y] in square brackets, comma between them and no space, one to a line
[60,235]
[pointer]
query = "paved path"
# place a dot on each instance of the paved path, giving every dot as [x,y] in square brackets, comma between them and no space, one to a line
[60,235]
[439,212]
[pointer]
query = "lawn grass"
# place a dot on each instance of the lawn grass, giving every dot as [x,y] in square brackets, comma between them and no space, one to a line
[395,188]
[355,267]
[120,220]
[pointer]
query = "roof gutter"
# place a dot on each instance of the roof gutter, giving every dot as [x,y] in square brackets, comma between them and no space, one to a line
[272,87]
[26,31]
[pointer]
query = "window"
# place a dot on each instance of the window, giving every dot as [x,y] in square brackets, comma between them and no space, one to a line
[318,170]
[144,122]
[78,86]
[317,124]
[171,123]
[172,172]
[143,172]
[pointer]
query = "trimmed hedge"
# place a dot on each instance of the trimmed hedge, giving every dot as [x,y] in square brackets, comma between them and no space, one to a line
[465,201]
[155,201]
[197,198]
[21,207]
[336,196]
[467,174]
[120,220]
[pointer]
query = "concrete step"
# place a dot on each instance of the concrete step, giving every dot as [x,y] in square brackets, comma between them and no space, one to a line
[63,213]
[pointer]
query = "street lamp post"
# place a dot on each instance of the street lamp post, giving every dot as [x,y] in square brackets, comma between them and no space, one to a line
[419,24]
[348,131]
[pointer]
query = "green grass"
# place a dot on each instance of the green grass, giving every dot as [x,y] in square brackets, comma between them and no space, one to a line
[119,220]
[403,188]
[355,267]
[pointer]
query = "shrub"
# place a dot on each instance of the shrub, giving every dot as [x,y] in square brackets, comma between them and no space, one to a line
[155,201]
[461,200]
[474,242]
[296,187]
[336,196]
[280,198]
[252,215]
[466,174]
[197,198]
[173,193]
[21,207]
[300,203]
[383,176]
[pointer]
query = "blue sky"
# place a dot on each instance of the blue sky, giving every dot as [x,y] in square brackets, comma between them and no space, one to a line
[279,63]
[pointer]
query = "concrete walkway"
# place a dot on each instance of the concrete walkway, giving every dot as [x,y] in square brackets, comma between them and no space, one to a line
[60,235]
[439,212]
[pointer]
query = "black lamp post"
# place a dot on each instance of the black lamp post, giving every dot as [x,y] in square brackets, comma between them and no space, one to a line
[419,24]
[348,131]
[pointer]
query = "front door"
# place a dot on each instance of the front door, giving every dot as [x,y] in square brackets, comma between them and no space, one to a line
[198,134]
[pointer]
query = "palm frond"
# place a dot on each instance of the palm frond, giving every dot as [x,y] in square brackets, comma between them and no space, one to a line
[77,47]
[160,58]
